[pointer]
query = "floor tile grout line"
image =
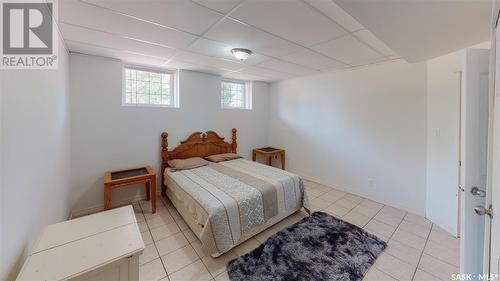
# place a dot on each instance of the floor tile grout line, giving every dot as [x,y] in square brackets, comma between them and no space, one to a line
[154,242]
[409,232]
[373,218]
[422,253]
[369,218]
[364,275]
[441,260]
[345,193]
[198,259]
[390,237]
[191,244]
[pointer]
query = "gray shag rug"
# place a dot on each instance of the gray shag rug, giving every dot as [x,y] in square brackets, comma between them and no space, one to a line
[319,247]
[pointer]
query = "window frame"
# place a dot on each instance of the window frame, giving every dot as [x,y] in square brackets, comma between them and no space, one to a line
[247,94]
[174,86]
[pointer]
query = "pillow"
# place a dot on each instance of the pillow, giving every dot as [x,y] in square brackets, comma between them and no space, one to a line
[222,157]
[186,164]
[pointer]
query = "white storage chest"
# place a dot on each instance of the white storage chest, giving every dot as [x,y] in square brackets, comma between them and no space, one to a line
[102,246]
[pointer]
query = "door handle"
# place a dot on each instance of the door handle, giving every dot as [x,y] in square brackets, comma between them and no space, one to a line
[477,192]
[481,211]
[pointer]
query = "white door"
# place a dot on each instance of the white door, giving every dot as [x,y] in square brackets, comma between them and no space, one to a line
[474,147]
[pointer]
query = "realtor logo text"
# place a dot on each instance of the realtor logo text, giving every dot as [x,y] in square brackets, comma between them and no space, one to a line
[29,38]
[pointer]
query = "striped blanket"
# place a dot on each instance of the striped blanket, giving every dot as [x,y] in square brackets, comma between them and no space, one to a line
[230,199]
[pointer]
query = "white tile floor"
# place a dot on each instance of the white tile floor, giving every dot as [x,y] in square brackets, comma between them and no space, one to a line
[417,249]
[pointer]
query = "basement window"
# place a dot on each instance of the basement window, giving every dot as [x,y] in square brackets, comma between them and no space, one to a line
[149,87]
[236,94]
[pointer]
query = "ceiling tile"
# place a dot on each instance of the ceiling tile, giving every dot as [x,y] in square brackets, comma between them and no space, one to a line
[176,64]
[235,33]
[246,76]
[313,60]
[84,48]
[333,11]
[207,61]
[335,69]
[372,61]
[127,58]
[183,15]
[79,13]
[370,39]
[421,30]
[163,33]
[349,50]
[291,19]
[286,67]
[221,50]
[83,35]
[266,73]
[222,6]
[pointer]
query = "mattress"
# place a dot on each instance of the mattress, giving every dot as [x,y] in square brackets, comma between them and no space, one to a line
[226,203]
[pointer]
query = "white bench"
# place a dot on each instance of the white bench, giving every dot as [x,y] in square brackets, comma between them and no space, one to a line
[102,246]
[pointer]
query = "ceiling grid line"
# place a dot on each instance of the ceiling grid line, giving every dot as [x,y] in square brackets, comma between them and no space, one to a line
[353,33]
[227,15]
[120,50]
[282,38]
[224,16]
[347,33]
[119,35]
[136,18]
[270,33]
[289,61]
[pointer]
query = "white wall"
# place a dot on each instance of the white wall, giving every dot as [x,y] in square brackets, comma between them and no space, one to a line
[350,128]
[443,125]
[35,138]
[105,135]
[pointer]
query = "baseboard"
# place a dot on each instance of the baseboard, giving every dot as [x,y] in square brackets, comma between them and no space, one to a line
[114,203]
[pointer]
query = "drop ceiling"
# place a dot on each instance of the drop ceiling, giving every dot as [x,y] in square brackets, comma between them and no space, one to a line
[289,38]
[421,30]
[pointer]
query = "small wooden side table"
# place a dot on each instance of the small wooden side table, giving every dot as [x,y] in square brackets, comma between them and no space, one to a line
[269,153]
[120,178]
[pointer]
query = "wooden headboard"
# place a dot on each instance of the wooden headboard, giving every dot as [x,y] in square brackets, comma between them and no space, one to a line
[198,144]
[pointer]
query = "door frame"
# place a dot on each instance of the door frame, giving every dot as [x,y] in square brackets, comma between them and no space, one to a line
[460,185]
[490,266]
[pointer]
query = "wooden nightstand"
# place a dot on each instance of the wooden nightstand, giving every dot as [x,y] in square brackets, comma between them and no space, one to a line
[114,179]
[269,153]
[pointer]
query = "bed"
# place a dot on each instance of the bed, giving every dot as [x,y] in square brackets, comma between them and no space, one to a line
[227,203]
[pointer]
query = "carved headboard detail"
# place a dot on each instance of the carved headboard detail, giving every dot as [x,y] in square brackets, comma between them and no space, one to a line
[198,144]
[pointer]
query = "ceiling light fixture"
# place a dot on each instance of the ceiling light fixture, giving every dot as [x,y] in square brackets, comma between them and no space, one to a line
[241,54]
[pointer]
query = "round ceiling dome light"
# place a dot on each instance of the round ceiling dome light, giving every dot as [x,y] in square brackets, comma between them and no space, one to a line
[241,54]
